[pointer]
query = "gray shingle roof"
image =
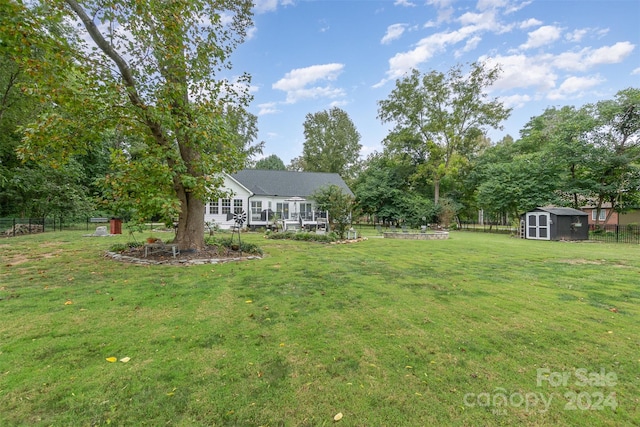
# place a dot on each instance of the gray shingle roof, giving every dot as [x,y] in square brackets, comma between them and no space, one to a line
[563,211]
[287,183]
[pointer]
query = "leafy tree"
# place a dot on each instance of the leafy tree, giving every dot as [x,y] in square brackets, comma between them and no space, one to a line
[332,143]
[271,162]
[151,74]
[522,183]
[381,186]
[339,205]
[439,118]
[28,188]
[617,142]
[297,164]
[37,190]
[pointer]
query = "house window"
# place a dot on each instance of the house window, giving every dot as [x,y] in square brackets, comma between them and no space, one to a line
[226,206]
[603,214]
[306,212]
[256,211]
[214,209]
[282,210]
[237,206]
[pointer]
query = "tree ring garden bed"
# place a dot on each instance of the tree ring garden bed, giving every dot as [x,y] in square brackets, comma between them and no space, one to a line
[436,235]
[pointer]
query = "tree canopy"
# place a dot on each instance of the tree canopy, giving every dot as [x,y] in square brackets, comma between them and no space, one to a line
[150,70]
[271,162]
[440,118]
[332,143]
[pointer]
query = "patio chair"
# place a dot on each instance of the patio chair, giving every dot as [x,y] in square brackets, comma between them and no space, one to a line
[404,229]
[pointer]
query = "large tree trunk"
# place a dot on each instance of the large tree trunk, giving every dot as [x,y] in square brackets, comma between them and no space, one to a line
[190,231]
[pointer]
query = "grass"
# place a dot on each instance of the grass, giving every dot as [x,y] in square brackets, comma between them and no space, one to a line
[386,332]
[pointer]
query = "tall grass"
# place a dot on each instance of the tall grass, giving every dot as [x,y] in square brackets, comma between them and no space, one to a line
[386,332]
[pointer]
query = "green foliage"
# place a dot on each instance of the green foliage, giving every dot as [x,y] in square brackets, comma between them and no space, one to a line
[271,162]
[440,118]
[153,82]
[303,236]
[332,143]
[122,247]
[339,205]
[228,242]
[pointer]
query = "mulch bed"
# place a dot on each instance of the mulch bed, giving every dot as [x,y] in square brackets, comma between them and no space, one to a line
[209,255]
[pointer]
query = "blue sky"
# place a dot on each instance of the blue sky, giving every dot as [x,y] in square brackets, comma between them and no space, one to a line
[309,56]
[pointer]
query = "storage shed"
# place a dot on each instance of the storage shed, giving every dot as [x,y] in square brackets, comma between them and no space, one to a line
[553,223]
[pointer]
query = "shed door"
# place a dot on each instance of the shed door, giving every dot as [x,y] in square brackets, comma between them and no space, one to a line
[538,225]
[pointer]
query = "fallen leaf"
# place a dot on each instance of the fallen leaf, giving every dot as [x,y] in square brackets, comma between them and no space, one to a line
[111,359]
[68,302]
[125,359]
[248,301]
[338,416]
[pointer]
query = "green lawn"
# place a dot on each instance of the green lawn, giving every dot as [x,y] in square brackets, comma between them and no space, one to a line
[476,330]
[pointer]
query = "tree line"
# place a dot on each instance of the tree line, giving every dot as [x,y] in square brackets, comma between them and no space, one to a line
[124,108]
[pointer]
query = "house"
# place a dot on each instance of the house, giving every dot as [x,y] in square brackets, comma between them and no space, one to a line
[268,196]
[553,223]
[603,218]
[627,218]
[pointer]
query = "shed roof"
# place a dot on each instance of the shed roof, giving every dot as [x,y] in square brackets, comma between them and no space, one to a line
[287,183]
[562,211]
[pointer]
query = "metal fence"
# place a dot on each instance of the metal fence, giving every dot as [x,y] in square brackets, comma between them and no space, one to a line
[19,226]
[487,227]
[615,233]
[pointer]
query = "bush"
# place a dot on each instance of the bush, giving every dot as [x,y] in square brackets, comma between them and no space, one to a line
[307,237]
[250,248]
[122,247]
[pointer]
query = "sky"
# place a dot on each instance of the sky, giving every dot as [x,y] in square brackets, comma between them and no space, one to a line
[309,56]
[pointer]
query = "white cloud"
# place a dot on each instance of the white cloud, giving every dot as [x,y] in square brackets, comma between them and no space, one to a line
[635,71]
[426,48]
[577,35]
[405,3]
[267,108]
[530,23]
[263,6]
[588,57]
[445,11]
[339,103]
[573,86]
[520,71]
[491,4]
[471,44]
[394,32]
[515,101]
[543,36]
[610,54]
[295,82]
[251,32]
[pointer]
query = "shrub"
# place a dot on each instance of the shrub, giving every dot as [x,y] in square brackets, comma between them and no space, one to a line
[307,237]
[250,248]
[121,247]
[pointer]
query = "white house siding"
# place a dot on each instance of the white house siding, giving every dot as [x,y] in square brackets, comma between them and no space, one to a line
[216,210]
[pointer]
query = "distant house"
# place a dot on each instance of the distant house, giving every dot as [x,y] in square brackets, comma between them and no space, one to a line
[553,223]
[630,217]
[601,218]
[272,196]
